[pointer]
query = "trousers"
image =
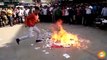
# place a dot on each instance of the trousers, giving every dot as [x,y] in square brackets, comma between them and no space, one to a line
[31,31]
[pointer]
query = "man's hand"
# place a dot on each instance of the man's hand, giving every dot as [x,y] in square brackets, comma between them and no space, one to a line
[38,20]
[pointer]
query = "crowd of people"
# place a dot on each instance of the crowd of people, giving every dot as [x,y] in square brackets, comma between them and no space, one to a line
[11,16]
[83,13]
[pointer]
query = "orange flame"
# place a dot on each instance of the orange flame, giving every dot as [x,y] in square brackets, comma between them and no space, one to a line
[62,38]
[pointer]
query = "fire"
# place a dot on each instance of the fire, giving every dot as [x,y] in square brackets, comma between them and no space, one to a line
[60,37]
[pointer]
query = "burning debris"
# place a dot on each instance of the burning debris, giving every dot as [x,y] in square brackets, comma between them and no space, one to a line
[61,38]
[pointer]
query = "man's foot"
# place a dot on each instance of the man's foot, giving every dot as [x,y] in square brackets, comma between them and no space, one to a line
[38,41]
[18,40]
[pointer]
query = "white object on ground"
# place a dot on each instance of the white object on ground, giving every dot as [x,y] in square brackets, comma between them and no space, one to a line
[104,21]
[32,44]
[46,52]
[66,55]
[36,48]
[47,45]
[43,50]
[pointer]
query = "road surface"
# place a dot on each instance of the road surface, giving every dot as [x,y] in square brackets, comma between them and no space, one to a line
[29,50]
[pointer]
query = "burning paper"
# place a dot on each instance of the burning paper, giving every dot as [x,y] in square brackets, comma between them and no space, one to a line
[61,38]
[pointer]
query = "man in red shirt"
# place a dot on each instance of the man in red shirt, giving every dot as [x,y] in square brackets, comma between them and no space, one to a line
[31,22]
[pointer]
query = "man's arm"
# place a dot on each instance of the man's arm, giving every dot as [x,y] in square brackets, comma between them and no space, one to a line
[36,18]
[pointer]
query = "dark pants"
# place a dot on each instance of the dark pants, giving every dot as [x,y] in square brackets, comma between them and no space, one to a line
[105,17]
[58,17]
[71,20]
[10,18]
[20,19]
[49,18]
[88,21]
[66,19]
[1,22]
[44,18]
[79,19]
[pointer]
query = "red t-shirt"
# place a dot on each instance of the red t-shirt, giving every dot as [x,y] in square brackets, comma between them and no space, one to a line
[31,20]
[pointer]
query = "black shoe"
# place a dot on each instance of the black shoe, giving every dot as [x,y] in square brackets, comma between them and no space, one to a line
[38,41]
[18,40]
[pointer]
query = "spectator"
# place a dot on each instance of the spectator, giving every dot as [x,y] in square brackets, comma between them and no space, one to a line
[0,20]
[57,13]
[10,16]
[49,14]
[4,18]
[78,13]
[44,13]
[15,15]
[26,11]
[65,14]
[104,12]
[21,14]
[71,15]
[88,18]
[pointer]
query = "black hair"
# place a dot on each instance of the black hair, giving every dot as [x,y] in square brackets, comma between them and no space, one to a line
[36,8]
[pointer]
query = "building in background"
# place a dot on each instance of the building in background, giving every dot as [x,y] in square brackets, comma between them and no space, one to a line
[12,3]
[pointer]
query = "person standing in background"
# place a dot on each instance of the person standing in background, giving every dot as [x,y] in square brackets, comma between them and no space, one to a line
[44,14]
[26,12]
[71,14]
[88,18]
[21,14]
[78,13]
[10,16]
[104,12]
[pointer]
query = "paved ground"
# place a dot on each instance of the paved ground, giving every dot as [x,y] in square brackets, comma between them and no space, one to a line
[9,50]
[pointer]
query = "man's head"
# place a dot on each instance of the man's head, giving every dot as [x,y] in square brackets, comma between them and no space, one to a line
[37,10]
[26,8]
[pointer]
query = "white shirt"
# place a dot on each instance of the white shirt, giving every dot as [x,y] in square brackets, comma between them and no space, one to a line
[66,12]
[88,11]
[27,11]
[44,10]
[21,12]
[51,8]
[90,7]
